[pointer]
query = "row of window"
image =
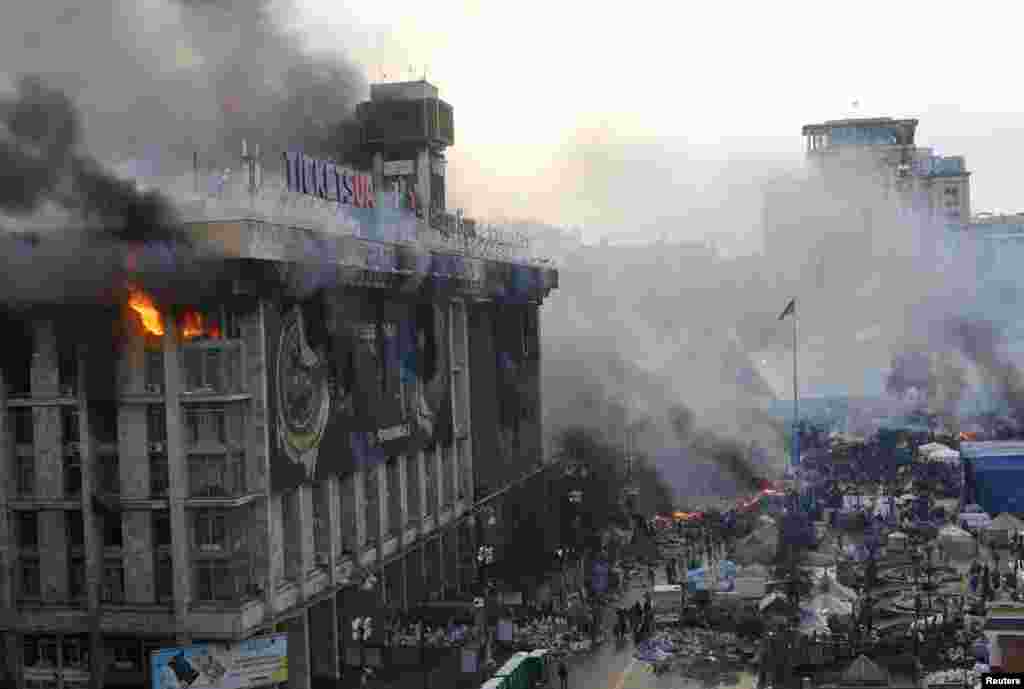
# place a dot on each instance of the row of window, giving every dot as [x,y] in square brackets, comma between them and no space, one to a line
[124,655]
[203,425]
[221,563]
[450,488]
[209,476]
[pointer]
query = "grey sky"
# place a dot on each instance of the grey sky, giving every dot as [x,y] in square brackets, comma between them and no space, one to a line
[703,81]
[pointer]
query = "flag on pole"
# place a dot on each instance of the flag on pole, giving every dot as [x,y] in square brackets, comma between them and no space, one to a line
[789,310]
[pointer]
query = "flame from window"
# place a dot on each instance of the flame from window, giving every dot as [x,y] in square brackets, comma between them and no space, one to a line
[193,325]
[149,314]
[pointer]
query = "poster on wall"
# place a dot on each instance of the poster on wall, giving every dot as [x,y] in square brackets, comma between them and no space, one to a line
[353,381]
[246,664]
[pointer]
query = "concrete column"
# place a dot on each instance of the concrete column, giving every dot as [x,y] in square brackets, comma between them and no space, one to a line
[133,450]
[178,475]
[359,487]
[254,375]
[49,453]
[435,459]
[275,547]
[131,366]
[7,462]
[139,565]
[333,490]
[93,541]
[378,172]
[307,546]
[423,178]
[45,376]
[403,482]
[382,504]
[459,347]
[53,556]
[298,651]
[421,462]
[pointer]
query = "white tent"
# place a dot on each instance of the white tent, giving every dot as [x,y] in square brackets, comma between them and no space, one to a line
[937,452]
[959,544]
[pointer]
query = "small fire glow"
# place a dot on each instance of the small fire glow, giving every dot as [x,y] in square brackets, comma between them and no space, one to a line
[192,326]
[141,303]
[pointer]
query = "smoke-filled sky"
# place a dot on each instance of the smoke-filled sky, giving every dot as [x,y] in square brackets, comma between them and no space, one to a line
[664,93]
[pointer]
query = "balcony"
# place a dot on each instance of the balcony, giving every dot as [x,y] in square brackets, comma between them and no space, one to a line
[216,476]
[212,367]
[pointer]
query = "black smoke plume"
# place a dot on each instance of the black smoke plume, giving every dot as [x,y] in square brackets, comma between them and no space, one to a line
[982,343]
[42,162]
[727,454]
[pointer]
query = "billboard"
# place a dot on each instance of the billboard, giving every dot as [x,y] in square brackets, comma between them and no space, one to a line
[353,380]
[252,663]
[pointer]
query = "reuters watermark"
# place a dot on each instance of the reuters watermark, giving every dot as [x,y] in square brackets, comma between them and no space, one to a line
[1002,679]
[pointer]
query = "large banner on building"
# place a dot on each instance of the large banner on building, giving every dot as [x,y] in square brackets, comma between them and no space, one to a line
[353,380]
[247,664]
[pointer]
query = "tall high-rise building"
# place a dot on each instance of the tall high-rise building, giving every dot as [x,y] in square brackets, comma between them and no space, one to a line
[299,444]
[885,148]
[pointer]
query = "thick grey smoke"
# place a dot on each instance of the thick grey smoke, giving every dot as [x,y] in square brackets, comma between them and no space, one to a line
[982,342]
[158,80]
[871,279]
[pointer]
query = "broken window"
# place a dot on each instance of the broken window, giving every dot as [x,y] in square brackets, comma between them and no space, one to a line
[19,346]
[113,531]
[214,581]
[113,581]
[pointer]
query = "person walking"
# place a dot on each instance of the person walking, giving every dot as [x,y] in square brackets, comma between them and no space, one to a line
[563,675]
[650,575]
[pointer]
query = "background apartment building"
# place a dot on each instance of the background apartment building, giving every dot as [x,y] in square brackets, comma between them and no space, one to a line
[264,457]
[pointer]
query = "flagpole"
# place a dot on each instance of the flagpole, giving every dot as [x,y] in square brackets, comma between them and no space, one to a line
[796,396]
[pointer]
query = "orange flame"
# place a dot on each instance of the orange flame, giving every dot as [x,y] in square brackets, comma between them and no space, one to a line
[141,303]
[192,326]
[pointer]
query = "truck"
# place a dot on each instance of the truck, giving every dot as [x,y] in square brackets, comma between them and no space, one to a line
[667,603]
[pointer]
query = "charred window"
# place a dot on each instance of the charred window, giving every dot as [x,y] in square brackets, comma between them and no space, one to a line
[113,531]
[76,577]
[67,362]
[164,577]
[108,474]
[28,530]
[75,528]
[70,427]
[154,370]
[210,531]
[161,529]
[205,426]
[19,346]
[214,581]
[113,581]
[23,423]
[215,476]
[30,576]
[104,422]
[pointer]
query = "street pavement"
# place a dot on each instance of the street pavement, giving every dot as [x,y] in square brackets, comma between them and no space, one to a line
[612,666]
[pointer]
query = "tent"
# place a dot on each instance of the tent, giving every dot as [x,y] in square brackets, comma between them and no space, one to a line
[1003,528]
[898,541]
[959,544]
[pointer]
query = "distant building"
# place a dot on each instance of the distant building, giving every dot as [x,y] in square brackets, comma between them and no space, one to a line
[886,147]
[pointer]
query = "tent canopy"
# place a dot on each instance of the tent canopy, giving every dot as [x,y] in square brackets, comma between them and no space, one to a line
[1006,522]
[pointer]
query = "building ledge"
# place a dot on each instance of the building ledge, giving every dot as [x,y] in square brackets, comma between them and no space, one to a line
[223,502]
[55,401]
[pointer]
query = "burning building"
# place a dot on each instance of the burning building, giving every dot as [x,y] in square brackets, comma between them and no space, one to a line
[298,442]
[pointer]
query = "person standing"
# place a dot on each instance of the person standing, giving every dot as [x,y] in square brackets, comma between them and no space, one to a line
[563,675]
